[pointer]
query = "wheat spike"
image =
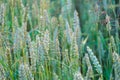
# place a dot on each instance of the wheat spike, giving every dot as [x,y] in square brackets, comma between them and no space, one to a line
[2,11]
[2,73]
[8,56]
[78,76]
[116,57]
[33,56]
[19,39]
[55,76]
[89,73]
[68,32]
[94,60]
[77,29]
[113,45]
[76,21]
[46,41]
[69,5]
[24,72]
[74,45]
[40,49]
[55,41]
[54,22]
[47,20]
[16,22]
[116,65]
[108,23]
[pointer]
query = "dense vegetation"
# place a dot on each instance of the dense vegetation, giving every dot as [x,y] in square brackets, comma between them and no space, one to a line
[59,40]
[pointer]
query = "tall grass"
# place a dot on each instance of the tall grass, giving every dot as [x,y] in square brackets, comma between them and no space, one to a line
[59,40]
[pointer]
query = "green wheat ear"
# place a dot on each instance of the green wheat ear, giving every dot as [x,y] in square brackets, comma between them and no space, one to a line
[95,61]
[2,73]
[25,72]
[68,32]
[46,40]
[116,65]
[78,76]
[55,76]
[2,12]
[89,73]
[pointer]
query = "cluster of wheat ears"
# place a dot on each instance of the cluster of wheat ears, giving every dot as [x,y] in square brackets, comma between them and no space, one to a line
[37,45]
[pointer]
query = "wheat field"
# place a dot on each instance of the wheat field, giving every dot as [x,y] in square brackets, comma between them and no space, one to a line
[59,40]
